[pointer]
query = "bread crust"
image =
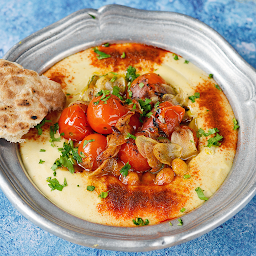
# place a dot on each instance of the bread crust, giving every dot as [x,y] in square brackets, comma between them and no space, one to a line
[25,99]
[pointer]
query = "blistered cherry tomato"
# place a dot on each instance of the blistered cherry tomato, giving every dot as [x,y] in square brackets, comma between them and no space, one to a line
[73,123]
[92,146]
[129,153]
[135,121]
[147,86]
[102,114]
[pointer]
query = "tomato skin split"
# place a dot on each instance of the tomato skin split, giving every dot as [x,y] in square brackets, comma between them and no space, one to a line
[102,115]
[73,123]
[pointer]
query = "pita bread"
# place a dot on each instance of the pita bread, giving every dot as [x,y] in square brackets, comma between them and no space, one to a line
[25,99]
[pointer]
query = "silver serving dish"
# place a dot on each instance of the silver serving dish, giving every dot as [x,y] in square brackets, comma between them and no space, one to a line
[178,33]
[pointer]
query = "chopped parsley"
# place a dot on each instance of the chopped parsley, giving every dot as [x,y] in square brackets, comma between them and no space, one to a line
[103,194]
[123,55]
[125,169]
[54,184]
[194,97]
[106,45]
[53,130]
[42,150]
[180,222]
[214,141]
[141,85]
[187,176]
[101,55]
[183,209]
[200,194]
[146,106]
[41,161]
[90,188]
[131,74]
[69,155]
[201,132]
[87,141]
[217,87]
[186,61]
[140,222]
[170,224]
[113,79]
[235,122]
[175,57]
[116,92]
[210,75]
[92,16]
[39,126]
[78,185]
[130,136]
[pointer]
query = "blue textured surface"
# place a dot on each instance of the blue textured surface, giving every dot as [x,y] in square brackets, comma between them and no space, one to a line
[234,20]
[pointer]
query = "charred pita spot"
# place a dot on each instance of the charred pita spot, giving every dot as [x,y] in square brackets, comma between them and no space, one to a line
[23,126]
[22,103]
[34,117]
[19,80]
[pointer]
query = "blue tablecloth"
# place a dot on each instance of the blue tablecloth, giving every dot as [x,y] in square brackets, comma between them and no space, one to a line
[234,20]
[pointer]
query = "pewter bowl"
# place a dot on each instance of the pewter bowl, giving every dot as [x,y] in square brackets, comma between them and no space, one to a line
[178,33]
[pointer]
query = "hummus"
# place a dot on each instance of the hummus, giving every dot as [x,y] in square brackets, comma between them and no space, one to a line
[206,170]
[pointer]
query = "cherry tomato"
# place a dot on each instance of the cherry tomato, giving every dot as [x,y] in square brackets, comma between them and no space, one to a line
[147,86]
[135,121]
[104,114]
[129,153]
[92,146]
[73,123]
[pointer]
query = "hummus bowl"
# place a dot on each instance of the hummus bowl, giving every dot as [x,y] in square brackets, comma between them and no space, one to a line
[174,32]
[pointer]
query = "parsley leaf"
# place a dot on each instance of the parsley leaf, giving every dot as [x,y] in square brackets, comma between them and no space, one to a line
[140,222]
[123,55]
[214,141]
[116,92]
[101,55]
[145,105]
[90,188]
[194,97]
[113,79]
[200,194]
[39,126]
[183,209]
[217,87]
[210,75]
[53,130]
[180,222]
[103,194]
[141,85]
[42,150]
[235,122]
[87,141]
[175,56]
[170,223]
[41,161]
[92,16]
[54,184]
[130,136]
[201,132]
[131,74]
[106,45]
[186,61]
[187,176]
[125,169]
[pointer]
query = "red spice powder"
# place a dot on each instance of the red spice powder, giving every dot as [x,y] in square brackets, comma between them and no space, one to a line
[217,117]
[134,54]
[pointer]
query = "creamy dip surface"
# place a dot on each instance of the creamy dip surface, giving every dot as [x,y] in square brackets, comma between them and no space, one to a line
[207,170]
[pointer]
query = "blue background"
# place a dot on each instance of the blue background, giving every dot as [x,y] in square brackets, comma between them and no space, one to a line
[234,20]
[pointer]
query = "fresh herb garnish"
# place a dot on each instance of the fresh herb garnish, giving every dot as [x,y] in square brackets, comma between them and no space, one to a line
[53,130]
[113,79]
[41,161]
[92,16]
[140,222]
[170,224]
[42,150]
[145,105]
[125,169]
[90,188]
[116,92]
[39,126]
[186,61]
[194,97]
[78,185]
[201,132]
[131,74]
[130,136]
[183,209]
[101,55]
[200,194]
[180,222]
[187,176]
[87,141]
[141,85]
[157,105]
[103,194]
[210,75]
[235,122]
[217,87]
[123,55]
[214,141]
[54,184]
[175,56]
[106,45]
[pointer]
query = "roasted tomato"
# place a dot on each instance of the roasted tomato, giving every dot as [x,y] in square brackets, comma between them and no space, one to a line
[90,149]
[147,86]
[104,113]
[73,123]
[135,121]
[165,119]
[129,153]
